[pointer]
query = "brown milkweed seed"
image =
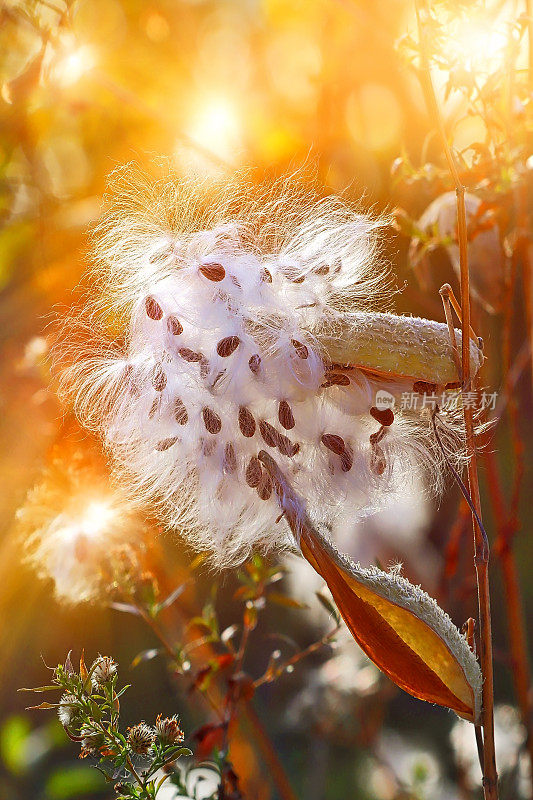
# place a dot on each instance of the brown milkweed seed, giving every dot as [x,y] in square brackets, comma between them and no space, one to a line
[334,443]
[190,355]
[264,488]
[300,348]
[230,459]
[204,367]
[266,275]
[246,422]
[212,421]
[213,272]
[378,462]
[180,412]
[422,387]
[336,379]
[166,443]
[153,309]
[285,446]
[269,434]
[228,346]
[254,363]
[346,461]
[174,326]
[385,416]
[285,415]
[254,472]
[156,405]
[208,446]
[321,270]
[159,379]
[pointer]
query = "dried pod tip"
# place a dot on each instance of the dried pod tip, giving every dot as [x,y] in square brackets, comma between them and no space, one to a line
[401,629]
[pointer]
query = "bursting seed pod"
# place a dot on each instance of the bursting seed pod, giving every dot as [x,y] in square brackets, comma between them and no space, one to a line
[250,325]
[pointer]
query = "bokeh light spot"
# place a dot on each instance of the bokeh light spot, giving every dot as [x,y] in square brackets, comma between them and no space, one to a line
[374,117]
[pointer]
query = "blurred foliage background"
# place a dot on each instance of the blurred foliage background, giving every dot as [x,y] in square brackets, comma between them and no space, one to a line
[270,84]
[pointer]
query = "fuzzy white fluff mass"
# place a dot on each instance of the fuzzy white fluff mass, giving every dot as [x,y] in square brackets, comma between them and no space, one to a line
[198,345]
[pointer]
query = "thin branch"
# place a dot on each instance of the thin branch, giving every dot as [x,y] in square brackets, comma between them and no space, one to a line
[481,545]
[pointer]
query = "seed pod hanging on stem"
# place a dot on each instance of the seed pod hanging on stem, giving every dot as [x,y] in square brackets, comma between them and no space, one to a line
[258,316]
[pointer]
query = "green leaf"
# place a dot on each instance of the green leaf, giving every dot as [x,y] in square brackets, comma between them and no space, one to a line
[73,782]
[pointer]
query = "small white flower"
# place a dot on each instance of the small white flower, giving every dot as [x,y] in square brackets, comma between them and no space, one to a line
[140,738]
[102,670]
[169,730]
[68,710]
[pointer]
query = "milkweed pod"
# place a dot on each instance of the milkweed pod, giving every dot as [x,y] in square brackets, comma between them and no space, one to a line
[401,629]
[396,346]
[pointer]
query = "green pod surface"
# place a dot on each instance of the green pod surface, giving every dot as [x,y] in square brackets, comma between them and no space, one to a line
[396,346]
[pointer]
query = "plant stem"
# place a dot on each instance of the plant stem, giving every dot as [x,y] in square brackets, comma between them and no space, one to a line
[481,545]
[506,528]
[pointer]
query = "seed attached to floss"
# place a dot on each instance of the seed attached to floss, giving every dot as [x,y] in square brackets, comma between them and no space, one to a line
[213,272]
[266,275]
[385,416]
[346,461]
[180,412]
[230,459]
[335,379]
[204,367]
[255,363]
[153,309]
[156,405]
[174,325]
[334,443]
[285,446]
[264,488]
[254,472]
[269,433]
[165,444]
[422,387]
[300,348]
[190,355]
[159,379]
[212,422]
[228,346]
[285,415]
[246,422]
[378,462]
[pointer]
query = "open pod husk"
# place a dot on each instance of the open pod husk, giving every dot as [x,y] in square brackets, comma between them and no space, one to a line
[398,625]
[396,346]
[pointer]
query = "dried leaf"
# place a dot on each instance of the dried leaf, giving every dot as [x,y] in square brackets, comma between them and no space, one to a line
[401,629]
[283,600]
